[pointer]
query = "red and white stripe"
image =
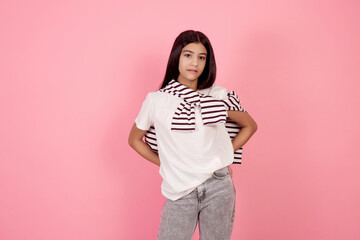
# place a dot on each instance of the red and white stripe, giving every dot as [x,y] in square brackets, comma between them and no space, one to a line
[213,111]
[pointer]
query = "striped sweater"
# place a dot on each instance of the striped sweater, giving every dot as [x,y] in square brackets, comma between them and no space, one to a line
[213,112]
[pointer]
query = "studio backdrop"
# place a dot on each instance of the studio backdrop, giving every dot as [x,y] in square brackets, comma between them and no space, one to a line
[74,74]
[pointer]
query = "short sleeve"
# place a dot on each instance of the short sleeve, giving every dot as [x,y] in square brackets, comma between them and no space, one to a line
[217,92]
[222,94]
[145,119]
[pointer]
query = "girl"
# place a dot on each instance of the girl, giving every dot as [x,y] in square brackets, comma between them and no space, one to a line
[185,134]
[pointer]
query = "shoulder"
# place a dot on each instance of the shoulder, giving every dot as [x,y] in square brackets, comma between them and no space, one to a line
[215,91]
[158,97]
[155,95]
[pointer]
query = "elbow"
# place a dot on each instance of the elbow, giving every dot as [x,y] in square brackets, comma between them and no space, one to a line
[254,126]
[131,142]
[134,142]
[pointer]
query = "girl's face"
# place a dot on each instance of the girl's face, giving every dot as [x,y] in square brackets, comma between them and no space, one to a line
[192,62]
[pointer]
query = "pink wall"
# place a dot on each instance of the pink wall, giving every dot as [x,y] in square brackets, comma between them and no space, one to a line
[73,76]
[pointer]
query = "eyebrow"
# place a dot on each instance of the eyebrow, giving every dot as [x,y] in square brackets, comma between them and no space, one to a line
[192,51]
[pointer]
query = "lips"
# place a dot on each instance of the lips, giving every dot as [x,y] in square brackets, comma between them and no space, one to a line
[192,70]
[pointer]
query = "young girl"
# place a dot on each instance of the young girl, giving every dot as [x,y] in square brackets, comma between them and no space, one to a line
[184,124]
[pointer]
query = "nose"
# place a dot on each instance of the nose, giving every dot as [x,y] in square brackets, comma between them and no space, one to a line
[194,62]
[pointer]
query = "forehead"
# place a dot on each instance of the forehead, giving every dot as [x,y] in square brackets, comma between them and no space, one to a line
[196,48]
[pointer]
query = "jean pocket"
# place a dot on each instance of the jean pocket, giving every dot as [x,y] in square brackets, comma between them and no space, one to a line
[222,173]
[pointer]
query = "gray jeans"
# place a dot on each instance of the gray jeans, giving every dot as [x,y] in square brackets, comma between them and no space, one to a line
[212,204]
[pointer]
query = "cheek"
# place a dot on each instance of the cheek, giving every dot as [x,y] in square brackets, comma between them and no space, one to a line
[203,65]
[182,63]
[181,66]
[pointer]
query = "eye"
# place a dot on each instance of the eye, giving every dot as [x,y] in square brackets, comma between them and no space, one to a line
[187,55]
[202,58]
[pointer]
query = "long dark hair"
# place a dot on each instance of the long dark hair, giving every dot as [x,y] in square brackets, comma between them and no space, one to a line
[207,77]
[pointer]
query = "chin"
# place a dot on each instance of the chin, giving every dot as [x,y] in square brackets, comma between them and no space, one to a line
[192,78]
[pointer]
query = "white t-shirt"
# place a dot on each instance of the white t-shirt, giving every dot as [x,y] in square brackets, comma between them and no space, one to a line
[187,159]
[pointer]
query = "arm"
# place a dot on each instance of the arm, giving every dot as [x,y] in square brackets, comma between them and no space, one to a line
[248,127]
[136,142]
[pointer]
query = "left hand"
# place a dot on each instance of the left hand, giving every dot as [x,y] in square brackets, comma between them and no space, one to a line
[230,170]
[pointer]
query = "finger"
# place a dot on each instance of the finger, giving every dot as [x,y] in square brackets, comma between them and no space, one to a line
[230,171]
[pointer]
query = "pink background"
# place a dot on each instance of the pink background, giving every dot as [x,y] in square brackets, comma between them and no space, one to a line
[74,75]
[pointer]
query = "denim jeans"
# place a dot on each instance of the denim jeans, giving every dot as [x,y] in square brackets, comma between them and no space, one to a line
[211,204]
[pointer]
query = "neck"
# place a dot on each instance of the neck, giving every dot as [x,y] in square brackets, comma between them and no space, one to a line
[188,83]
